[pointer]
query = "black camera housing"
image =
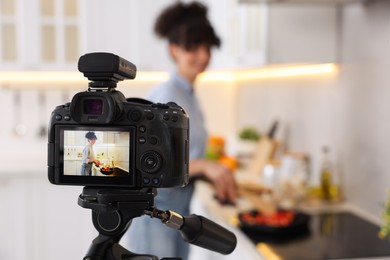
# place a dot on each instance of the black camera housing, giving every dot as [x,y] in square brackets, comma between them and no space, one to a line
[150,141]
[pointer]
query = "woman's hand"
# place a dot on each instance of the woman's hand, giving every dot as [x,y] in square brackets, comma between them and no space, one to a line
[223,180]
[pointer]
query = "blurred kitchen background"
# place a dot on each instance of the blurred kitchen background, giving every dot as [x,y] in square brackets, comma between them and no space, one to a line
[319,67]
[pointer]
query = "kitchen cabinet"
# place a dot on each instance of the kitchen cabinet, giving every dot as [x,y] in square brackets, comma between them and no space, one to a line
[257,34]
[243,32]
[302,33]
[52,34]
[73,166]
[126,29]
[39,34]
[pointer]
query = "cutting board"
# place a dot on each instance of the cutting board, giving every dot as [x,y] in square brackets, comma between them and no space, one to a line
[264,152]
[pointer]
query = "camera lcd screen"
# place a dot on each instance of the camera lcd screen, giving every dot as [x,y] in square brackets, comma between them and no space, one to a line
[96,155]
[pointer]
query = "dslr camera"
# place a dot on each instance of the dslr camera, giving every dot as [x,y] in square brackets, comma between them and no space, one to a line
[138,144]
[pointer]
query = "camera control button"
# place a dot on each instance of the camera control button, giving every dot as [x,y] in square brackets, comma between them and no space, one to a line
[174,118]
[142,140]
[166,117]
[142,129]
[146,180]
[153,140]
[67,117]
[135,115]
[149,116]
[156,181]
[58,117]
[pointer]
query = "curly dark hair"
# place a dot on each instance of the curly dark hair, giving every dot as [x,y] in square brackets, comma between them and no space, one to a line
[187,25]
[91,136]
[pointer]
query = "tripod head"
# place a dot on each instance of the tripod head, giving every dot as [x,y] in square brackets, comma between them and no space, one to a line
[114,209]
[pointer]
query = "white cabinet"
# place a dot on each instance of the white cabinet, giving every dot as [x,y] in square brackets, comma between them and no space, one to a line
[39,34]
[242,28]
[126,28]
[300,33]
[257,34]
[73,166]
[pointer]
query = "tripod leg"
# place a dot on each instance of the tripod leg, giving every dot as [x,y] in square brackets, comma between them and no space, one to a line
[99,248]
[121,253]
[106,248]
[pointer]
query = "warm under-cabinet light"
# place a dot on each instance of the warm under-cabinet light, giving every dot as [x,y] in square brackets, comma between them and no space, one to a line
[10,78]
[275,72]
[65,77]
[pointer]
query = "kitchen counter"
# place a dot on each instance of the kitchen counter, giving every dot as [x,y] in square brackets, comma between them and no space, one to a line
[248,249]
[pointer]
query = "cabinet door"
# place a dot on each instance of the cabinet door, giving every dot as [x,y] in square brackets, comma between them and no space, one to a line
[302,33]
[58,30]
[9,32]
[40,34]
[124,28]
[242,28]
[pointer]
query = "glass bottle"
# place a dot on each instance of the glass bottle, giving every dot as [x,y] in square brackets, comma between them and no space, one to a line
[326,175]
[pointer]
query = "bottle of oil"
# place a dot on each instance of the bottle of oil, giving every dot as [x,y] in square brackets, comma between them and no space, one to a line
[326,175]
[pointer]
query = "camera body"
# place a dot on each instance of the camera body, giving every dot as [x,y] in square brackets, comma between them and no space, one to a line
[139,143]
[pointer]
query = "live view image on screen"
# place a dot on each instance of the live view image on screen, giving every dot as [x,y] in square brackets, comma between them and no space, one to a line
[96,153]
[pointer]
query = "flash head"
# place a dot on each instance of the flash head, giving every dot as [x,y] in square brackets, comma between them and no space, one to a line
[105,69]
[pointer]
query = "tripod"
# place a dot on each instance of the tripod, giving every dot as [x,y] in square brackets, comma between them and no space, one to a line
[114,209]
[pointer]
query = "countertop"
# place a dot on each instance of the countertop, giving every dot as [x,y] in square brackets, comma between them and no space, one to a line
[246,249]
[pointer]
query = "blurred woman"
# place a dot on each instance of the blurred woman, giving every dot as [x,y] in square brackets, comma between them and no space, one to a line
[190,39]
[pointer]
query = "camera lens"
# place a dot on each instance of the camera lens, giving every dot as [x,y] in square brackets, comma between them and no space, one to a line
[93,106]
